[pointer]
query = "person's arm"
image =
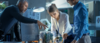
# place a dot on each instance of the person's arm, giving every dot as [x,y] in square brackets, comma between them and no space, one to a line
[53,29]
[67,27]
[14,13]
[82,16]
[21,18]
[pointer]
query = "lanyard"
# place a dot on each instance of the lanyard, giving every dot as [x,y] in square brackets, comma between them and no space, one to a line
[57,28]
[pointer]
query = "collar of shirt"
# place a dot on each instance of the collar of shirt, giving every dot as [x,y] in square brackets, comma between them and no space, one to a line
[59,16]
[75,7]
[18,10]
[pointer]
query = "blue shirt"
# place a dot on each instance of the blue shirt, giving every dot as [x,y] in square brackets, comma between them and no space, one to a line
[80,20]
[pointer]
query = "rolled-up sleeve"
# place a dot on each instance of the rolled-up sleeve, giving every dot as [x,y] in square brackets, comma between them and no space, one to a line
[21,18]
[82,17]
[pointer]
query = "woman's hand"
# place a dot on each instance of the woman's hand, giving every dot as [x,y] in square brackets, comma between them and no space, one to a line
[74,41]
[65,36]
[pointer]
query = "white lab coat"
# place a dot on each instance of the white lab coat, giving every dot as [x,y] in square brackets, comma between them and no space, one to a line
[63,24]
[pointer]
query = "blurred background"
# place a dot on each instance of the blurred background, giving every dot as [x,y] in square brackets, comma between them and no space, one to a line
[30,32]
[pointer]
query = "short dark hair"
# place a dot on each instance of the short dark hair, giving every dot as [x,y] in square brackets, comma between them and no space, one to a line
[69,0]
[20,1]
[52,8]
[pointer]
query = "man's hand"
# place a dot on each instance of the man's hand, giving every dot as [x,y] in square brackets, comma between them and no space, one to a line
[41,24]
[74,41]
[65,36]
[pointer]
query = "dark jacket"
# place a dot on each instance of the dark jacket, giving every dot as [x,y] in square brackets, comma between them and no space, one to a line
[10,16]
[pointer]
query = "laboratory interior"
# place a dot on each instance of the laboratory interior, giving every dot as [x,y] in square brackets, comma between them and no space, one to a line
[38,10]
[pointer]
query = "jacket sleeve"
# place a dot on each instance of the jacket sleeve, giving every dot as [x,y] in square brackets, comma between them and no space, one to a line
[21,18]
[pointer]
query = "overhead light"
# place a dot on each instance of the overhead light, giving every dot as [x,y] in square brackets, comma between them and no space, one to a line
[40,9]
[62,4]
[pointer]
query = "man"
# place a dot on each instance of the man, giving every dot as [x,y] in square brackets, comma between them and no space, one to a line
[80,22]
[11,15]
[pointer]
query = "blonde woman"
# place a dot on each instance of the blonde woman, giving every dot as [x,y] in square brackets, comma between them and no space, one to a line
[60,24]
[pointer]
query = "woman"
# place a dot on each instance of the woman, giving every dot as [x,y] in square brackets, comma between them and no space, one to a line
[60,21]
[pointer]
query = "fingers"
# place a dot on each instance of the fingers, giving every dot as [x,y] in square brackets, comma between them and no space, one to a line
[39,26]
[38,22]
[64,36]
[45,27]
[74,41]
[42,25]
